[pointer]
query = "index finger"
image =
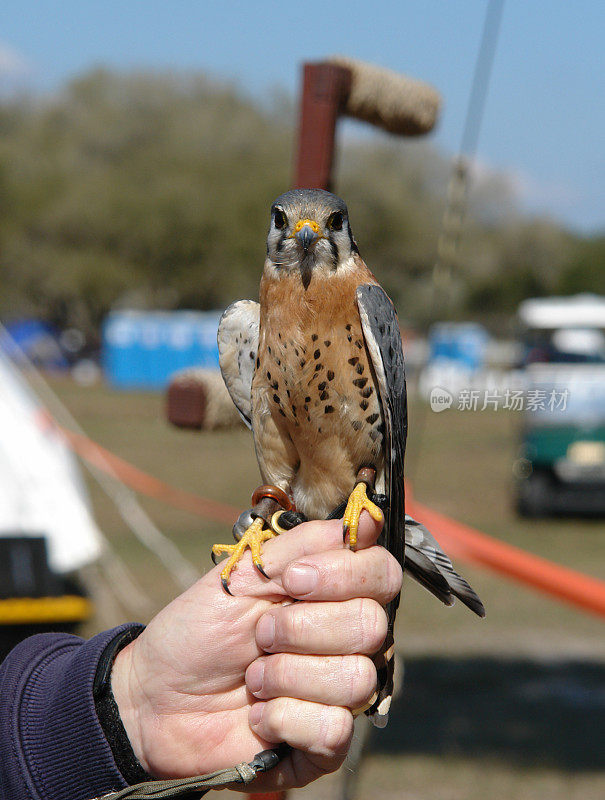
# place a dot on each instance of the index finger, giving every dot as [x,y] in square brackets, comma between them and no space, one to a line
[309,538]
[344,575]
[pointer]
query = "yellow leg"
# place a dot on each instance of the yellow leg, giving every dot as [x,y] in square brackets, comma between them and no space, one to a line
[252,538]
[358,501]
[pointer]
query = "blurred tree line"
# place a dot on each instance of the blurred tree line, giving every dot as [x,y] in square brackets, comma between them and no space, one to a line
[152,191]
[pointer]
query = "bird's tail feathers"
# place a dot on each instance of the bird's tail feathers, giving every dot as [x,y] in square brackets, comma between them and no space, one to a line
[422,569]
[431,567]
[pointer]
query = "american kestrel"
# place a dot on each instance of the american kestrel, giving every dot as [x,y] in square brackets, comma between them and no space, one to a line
[316,370]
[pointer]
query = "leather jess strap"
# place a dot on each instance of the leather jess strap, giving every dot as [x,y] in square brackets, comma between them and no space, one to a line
[197,786]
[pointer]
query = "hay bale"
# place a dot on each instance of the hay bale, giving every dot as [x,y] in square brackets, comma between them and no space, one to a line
[391,101]
[198,398]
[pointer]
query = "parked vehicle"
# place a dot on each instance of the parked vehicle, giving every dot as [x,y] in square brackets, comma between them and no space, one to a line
[561,463]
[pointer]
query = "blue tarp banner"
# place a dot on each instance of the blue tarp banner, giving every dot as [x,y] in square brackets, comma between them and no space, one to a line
[142,349]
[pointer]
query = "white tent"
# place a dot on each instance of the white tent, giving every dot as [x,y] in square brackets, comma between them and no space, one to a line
[41,488]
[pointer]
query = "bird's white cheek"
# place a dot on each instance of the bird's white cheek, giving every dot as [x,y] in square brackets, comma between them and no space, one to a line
[348,265]
[271,271]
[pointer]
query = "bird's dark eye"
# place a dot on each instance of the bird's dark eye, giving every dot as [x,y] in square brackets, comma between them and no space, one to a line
[335,221]
[279,218]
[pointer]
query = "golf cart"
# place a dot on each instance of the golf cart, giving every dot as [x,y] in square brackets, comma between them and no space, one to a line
[561,464]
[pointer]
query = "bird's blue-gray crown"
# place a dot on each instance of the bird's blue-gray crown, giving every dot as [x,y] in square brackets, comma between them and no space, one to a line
[310,201]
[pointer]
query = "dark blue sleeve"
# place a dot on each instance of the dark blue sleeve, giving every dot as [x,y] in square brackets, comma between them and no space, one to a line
[52,746]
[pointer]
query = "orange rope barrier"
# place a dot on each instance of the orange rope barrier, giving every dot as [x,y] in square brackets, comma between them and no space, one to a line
[470,545]
[458,539]
[146,484]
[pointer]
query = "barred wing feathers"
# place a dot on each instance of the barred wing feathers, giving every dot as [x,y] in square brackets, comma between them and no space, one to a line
[383,341]
[237,352]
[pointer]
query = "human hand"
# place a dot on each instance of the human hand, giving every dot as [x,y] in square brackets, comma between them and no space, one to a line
[214,679]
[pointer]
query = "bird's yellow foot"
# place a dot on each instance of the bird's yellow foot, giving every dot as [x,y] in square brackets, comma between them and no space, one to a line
[358,501]
[253,538]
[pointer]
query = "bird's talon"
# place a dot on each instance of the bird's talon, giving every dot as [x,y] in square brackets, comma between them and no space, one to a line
[358,502]
[259,567]
[253,538]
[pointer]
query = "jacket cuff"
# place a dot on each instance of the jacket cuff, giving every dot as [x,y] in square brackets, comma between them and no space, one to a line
[60,741]
[109,713]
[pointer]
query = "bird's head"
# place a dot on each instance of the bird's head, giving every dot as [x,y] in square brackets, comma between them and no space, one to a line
[310,234]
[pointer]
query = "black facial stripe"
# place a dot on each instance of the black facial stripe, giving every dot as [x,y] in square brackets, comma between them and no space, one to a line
[335,254]
[354,247]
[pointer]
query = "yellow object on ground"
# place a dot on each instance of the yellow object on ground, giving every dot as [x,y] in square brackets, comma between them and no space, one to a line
[33,610]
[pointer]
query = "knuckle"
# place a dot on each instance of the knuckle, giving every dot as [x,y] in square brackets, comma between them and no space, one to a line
[394,577]
[277,672]
[363,680]
[348,568]
[298,624]
[336,731]
[285,712]
[275,718]
[352,679]
[292,626]
[372,625]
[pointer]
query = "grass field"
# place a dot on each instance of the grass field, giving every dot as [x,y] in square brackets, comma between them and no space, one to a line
[509,707]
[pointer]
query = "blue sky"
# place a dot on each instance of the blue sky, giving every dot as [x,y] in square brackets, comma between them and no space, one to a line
[544,120]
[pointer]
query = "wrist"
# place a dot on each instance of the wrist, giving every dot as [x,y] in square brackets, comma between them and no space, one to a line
[109,713]
[129,702]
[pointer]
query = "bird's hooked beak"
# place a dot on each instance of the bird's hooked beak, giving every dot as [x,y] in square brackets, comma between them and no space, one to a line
[307,231]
